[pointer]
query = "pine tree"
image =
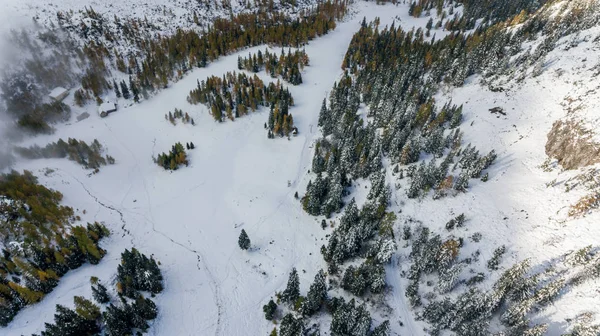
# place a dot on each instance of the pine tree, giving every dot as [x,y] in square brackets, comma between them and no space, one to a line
[334,195]
[116,321]
[125,90]
[244,240]
[291,326]
[116,88]
[350,320]
[448,278]
[385,251]
[317,294]
[382,330]
[269,309]
[100,293]
[145,308]
[86,309]
[69,323]
[324,118]
[292,290]
[134,90]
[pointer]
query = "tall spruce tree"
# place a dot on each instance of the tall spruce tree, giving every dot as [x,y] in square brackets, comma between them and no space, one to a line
[316,295]
[292,290]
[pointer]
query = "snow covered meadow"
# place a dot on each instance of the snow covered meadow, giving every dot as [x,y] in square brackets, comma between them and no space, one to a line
[190,219]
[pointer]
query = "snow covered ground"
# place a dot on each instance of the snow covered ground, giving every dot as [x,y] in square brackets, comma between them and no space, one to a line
[165,16]
[524,205]
[190,219]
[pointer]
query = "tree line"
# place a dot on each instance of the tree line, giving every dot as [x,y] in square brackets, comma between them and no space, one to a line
[40,245]
[123,315]
[235,95]
[168,57]
[89,156]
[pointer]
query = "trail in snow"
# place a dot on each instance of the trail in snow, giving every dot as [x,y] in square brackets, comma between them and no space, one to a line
[110,207]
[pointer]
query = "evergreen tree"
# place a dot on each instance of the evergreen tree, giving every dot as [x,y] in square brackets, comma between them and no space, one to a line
[382,330]
[116,88]
[116,321]
[317,294]
[136,273]
[291,326]
[125,90]
[100,293]
[134,90]
[269,309]
[244,240]
[86,309]
[292,290]
[145,308]
[350,320]
[69,323]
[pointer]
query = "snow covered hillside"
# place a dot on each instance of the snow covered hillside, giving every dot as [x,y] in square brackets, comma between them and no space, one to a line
[165,15]
[538,199]
[190,219]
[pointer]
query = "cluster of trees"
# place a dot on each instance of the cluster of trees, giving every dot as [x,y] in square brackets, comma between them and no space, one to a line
[132,90]
[169,57]
[512,297]
[348,318]
[124,316]
[28,274]
[487,11]
[179,114]
[357,228]
[89,156]
[289,66]
[280,122]
[234,95]
[175,158]
[395,73]
[94,82]
[44,246]
[163,58]
[519,292]
[137,273]
[368,275]
[431,254]
[40,117]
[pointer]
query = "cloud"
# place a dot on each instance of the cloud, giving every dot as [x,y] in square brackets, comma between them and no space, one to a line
[10,19]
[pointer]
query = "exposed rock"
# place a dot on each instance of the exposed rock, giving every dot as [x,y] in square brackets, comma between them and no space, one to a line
[572,145]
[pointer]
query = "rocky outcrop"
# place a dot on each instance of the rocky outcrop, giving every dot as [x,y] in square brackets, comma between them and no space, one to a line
[572,145]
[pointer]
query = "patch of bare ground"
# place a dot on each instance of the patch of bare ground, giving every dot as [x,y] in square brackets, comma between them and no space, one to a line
[572,145]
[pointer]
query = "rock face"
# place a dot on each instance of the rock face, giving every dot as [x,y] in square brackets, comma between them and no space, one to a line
[572,145]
